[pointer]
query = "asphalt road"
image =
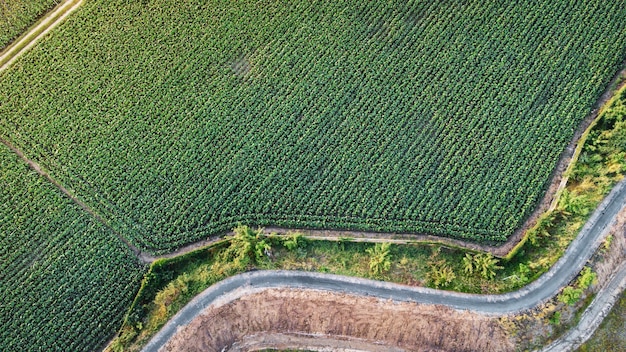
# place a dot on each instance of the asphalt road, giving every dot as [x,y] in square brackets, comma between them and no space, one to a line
[541,290]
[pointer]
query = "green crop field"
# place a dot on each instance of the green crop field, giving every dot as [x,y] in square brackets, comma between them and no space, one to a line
[17,15]
[175,120]
[65,281]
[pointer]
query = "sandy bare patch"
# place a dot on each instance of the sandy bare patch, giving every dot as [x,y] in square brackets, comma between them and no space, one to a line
[407,326]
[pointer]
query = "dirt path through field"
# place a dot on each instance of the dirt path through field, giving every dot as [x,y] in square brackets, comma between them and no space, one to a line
[37,168]
[41,28]
[559,179]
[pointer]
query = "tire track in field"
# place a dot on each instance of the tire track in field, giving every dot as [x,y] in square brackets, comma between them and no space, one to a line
[12,53]
[54,18]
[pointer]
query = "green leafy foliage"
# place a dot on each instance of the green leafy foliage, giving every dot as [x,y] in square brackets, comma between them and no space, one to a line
[483,264]
[570,295]
[65,280]
[294,241]
[380,258]
[398,116]
[245,245]
[522,276]
[586,278]
[17,15]
[441,273]
[555,319]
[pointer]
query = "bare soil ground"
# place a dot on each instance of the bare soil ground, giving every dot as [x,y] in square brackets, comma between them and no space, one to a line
[309,342]
[404,326]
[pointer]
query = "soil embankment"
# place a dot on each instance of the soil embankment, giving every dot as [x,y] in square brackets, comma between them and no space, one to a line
[364,320]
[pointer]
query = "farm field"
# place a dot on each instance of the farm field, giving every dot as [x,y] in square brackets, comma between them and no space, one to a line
[420,117]
[65,280]
[17,15]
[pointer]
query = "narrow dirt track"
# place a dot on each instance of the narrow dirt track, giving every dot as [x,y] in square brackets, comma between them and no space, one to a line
[538,292]
[37,168]
[43,27]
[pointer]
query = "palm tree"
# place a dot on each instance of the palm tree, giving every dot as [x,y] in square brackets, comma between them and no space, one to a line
[486,265]
[380,258]
[468,264]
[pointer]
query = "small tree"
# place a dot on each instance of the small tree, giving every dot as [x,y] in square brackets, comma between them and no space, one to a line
[440,274]
[262,249]
[483,264]
[587,278]
[380,258]
[294,241]
[486,265]
[570,295]
[468,264]
[523,273]
[245,245]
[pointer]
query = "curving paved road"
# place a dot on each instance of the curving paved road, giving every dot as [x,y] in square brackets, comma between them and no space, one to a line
[548,285]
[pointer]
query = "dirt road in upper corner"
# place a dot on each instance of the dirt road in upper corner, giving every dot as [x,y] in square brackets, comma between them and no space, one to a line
[30,38]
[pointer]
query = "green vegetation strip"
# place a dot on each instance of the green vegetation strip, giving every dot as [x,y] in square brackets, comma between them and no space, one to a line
[65,280]
[17,15]
[394,116]
[171,283]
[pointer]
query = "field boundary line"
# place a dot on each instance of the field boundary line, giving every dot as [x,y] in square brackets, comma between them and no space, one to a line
[27,40]
[38,169]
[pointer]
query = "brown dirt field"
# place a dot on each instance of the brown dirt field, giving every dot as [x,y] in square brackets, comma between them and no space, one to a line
[407,326]
[283,342]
